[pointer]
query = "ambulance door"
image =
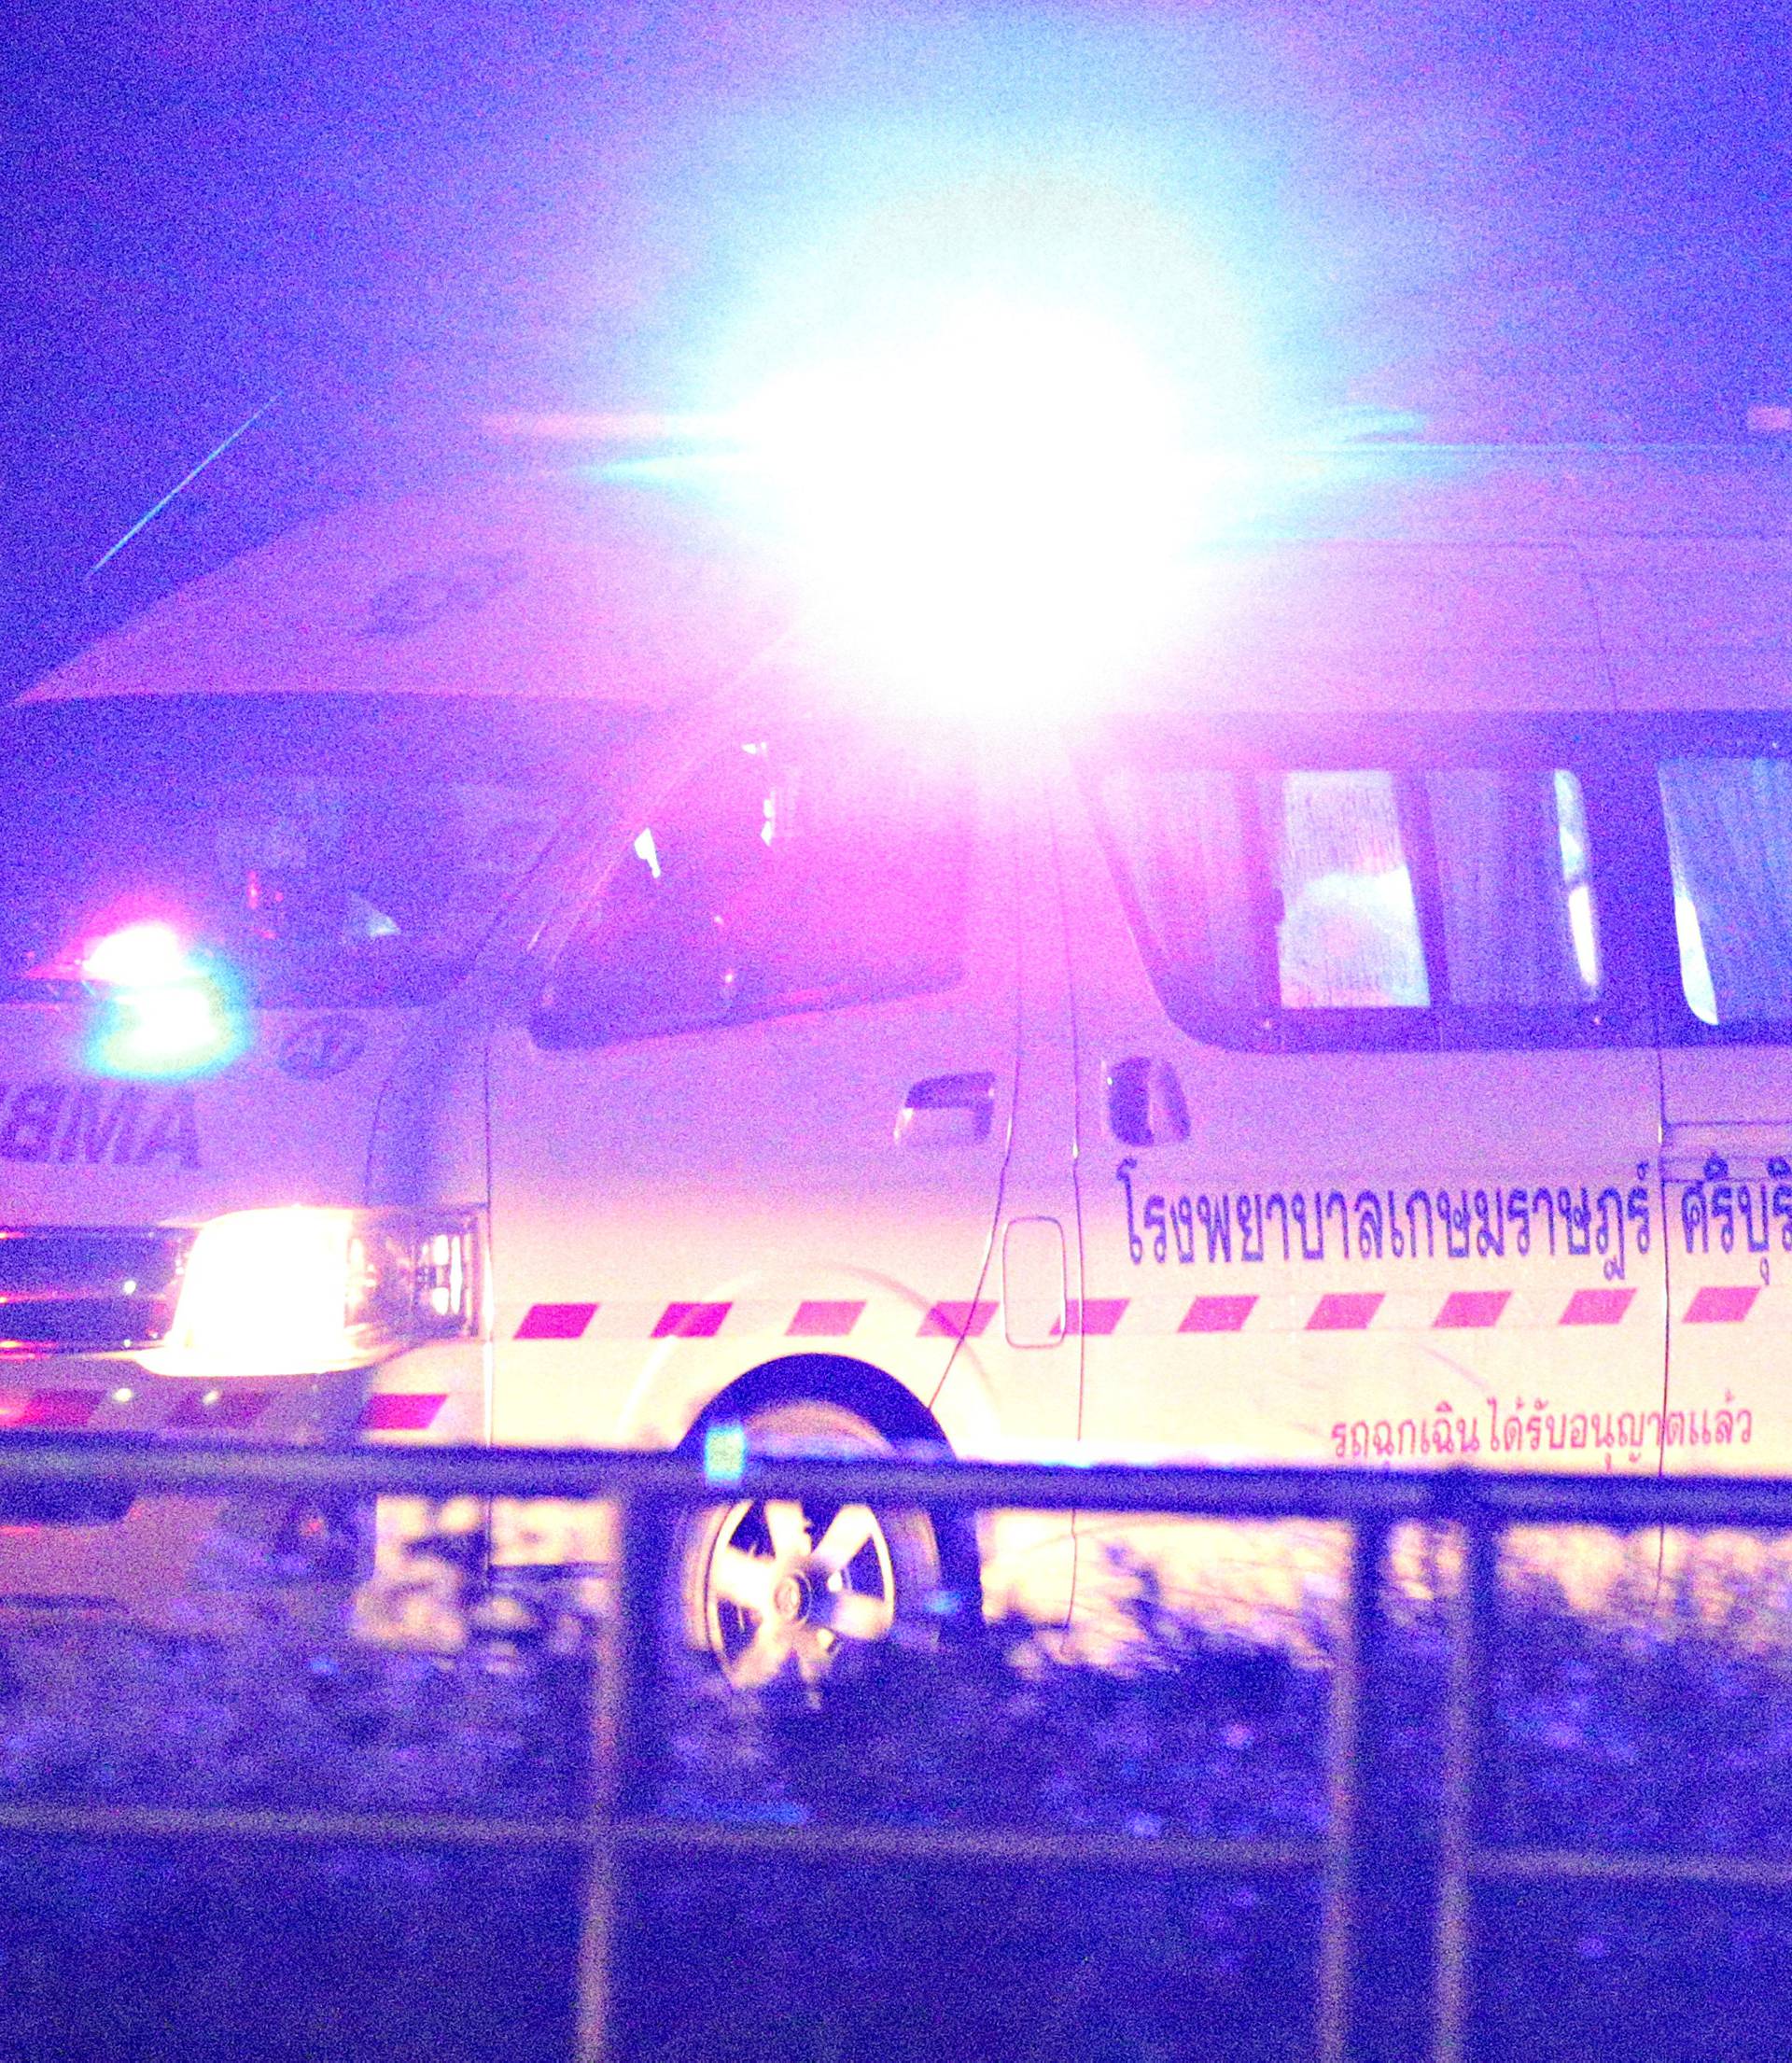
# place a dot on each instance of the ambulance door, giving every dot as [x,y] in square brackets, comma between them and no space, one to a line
[1368,1103]
[1720,792]
[762,1105]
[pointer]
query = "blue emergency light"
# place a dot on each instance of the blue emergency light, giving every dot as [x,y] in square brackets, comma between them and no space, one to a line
[165,1011]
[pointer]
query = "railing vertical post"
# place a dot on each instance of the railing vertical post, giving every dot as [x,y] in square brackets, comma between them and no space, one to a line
[1466,1738]
[1345,1946]
[618,1685]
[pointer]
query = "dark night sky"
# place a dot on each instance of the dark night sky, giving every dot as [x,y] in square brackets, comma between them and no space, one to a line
[1570,218]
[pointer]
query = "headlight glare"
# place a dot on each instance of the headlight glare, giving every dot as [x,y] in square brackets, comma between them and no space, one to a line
[304,1290]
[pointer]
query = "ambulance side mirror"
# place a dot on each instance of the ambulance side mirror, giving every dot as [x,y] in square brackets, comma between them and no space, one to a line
[1146,1107]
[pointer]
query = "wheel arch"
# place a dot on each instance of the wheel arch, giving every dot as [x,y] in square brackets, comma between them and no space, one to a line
[897,1412]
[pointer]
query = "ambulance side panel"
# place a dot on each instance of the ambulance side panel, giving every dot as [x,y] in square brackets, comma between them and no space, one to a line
[1336,1208]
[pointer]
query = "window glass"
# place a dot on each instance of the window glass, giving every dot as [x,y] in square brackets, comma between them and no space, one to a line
[1516,897]
[776,879]
[1348,934]
[1729,842]
[1186,836]
[324,850]
[1360,893]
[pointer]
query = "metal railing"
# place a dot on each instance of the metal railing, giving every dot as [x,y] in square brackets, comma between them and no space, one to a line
[1356,1862]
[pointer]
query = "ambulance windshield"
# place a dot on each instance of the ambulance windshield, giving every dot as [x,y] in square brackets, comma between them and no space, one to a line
[324,850]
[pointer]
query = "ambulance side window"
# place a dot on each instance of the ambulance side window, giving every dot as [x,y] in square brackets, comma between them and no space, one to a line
[1517,914]
[1343,907]
[1730,843]
[778,877]
[1346,932]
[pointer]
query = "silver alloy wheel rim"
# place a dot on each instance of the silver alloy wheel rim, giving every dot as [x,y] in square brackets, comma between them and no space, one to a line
[786,1583]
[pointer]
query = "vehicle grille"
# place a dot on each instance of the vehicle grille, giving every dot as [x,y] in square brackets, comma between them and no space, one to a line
[88,1289]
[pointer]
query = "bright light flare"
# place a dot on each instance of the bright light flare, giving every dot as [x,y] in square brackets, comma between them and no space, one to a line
[137,956]
[265,1292]
[995,505]
[164,1012]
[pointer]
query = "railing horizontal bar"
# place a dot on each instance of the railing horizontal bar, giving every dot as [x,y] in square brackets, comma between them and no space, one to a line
[1538,1865]
[973,1845]
[416,1829]
[150,1464]
[944,1844]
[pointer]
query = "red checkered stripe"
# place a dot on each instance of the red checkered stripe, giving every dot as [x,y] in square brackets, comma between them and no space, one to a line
[816,1318]
[237,1408]
[1455,1311]
[1330,1310]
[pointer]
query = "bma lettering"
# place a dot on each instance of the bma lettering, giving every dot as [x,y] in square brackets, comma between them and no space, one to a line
[95,1124]
[174,1132]
[30,1130]
[96,1129]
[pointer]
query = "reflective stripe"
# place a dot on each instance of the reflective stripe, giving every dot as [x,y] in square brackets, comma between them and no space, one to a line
[1597,1307]
[1102,1317]
[691,1320]
[55,1411]
[399,1411]
[958,1321]
[1217,1314]
[824,1320]
[1718,1306]
[1345,1311]
[556,1321]
[1468,1310]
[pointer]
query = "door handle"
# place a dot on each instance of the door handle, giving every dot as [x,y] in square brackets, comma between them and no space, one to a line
[947,1110]
[1146,1107]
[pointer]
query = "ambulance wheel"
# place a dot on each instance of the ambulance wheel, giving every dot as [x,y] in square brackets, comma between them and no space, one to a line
[772,1589]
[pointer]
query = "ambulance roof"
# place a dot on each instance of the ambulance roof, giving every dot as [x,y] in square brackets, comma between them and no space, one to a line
[545,586]
[1483,580]
[1377,577]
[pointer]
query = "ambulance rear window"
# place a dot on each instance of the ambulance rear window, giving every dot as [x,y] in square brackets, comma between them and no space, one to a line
[325,850]
[1337,906]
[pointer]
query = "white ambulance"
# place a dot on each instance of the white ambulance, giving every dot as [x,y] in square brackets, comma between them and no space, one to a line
[471,975]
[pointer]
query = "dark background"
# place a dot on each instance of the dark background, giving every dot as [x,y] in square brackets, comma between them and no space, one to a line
[1567,219]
